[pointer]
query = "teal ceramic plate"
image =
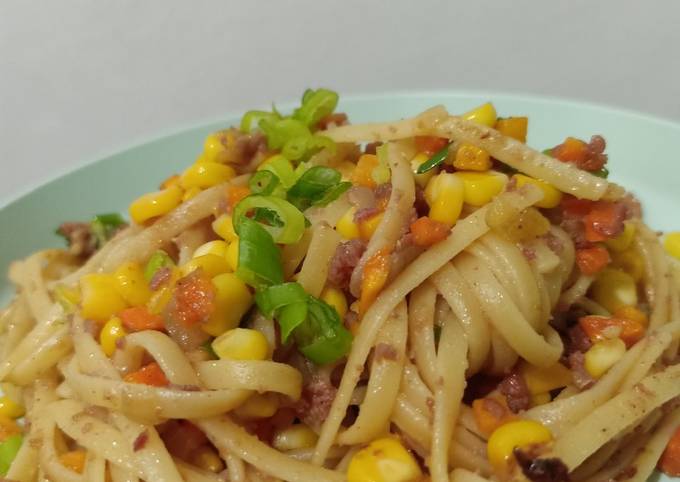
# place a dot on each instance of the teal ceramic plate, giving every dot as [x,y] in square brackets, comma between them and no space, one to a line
[643,154]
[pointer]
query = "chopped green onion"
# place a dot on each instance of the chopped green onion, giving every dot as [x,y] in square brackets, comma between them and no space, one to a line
[279,132]
[604,172]
[322,338]
[263,182]
[547,152]
[295,148]
[287,302]
[8,451]
[315,106]
[253,118]
[259,259]
[437,159]
[317,143]
[290,317]
[318,186]
[286,222]
[306,95]
[104,226]
[159,259]
[282,168]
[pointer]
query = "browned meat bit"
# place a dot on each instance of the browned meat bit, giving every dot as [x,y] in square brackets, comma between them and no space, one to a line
[343,262]
[316,400]
[627,473]
[81,240]
[632,205]
[420,204]
[578,340]
[372,147]
[365,213]
[140,441]
[590,156]
[333,120]
[582,378]
[516,392]
[160,277]
[538,469]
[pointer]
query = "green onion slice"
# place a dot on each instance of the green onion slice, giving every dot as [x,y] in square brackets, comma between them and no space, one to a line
[315,106]
[317,186]
[263,182]
[104,226]
[436,159]
[8,451]
[322,338]
[253,117]
[159,259]
[282,168]
[259,259]
[279,132]
[285,223]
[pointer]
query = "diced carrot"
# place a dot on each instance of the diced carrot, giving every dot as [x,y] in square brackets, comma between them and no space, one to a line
[182,437]
[430,144]
[235,194]
[571,150]
[575,207]
[490,413]
[376,270]
[194,298]
[604,221]
[595,327]
[363,172]
[631,313]
[74,460]
[138,318]
[427,232]
[592,260]
[150,374]
[515,127]
[669,463]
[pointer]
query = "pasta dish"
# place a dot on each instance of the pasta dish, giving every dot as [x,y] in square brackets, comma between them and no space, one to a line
[428,299]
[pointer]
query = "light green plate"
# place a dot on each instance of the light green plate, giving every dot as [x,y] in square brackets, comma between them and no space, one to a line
[643,152]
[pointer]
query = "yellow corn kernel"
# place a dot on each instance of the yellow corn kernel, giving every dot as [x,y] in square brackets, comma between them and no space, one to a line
[603,355]
[421,179]
[211,264]
[111,332]
[540,399]
[631,313]
[515,127]
[671,243]
[298,436]
[74,460]
[516,434]
[624,240]
[336,299]
[472,158]
[542,380]
[207,459]
[10,408]
[224,228]
[170,181]
[629,261]
[384,460]
[155,204]
[614,289]
[551,196]
[232,300]
[258,406]
[190,193]
[206,174]
[479,188]
[368,226]
[346,226]
[100,297]
[8,427]
[212,148]
[131,284]
[241,344]
[232,255]
[485,114]
[444,194]
[217,247]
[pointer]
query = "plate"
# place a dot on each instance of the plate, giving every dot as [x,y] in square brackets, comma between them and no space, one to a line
[643,153]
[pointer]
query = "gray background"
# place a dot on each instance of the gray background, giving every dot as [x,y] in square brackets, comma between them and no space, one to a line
[79,79]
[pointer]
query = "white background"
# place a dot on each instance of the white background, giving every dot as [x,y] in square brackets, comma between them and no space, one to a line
[79,79]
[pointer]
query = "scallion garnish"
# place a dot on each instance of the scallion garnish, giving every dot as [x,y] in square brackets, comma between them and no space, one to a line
[317,186]
[104,226]
[259,259]
[436,160]
[281,219]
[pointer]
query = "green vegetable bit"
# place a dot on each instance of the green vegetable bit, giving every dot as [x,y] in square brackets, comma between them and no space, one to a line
[436,160]
[317,186]
[159,259]
[259,259]
[284,222]
[8,451]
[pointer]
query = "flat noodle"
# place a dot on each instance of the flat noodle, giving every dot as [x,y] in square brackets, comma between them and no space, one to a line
[314,270]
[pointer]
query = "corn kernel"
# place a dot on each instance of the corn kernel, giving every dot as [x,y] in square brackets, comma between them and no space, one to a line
[217,247]
[516,434]
[232,300]
[207,459]
[485,114]
[614,289]
[416,162]
[190,193]
[258,406]
[10,408]
[346,226]
[336,299]
[224,228]
[368,226]
[111,332]
[603,355]
[155,204]
[8,427]
[100,297]
[631,313]
[624,240]
[542,380]
[211,264]
[444,194]
[232,255]
[671,243]
[241,344]
[515,127]
[206,174]
[170,181]
[298,436]
[212,148]
[384,460]
[481,187]
[630,262]
[131,283]
[551,196]
[540,399]
[74,460]
[472,158]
